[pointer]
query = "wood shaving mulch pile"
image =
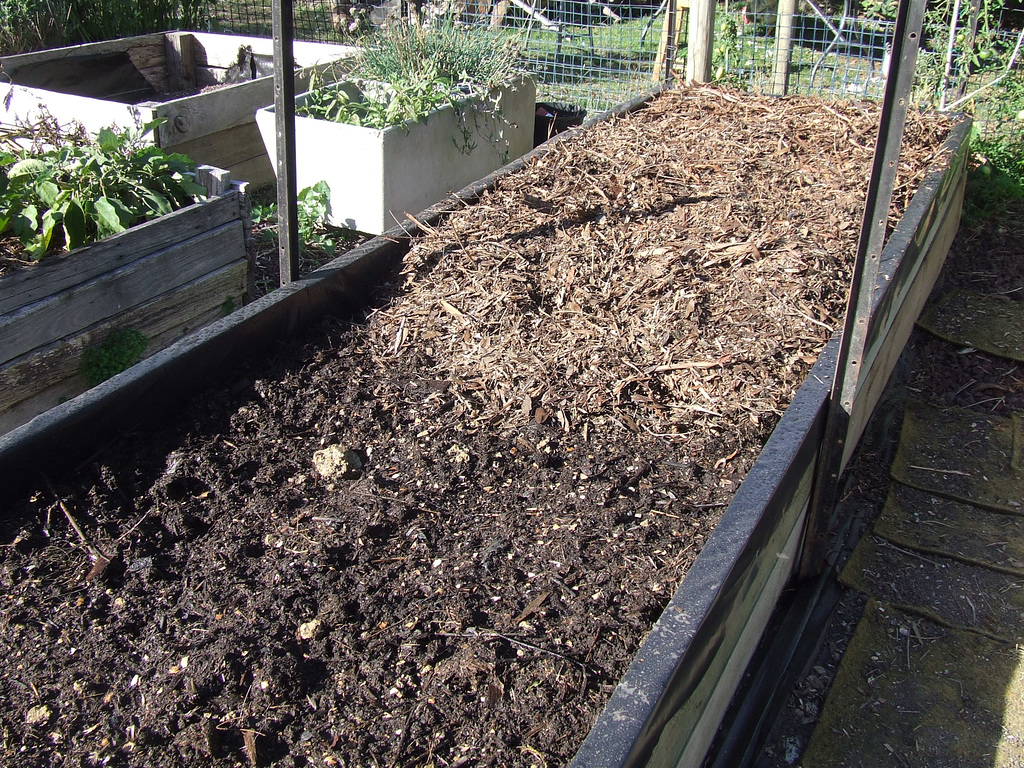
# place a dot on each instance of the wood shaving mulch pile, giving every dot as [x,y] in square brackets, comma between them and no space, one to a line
[670,271]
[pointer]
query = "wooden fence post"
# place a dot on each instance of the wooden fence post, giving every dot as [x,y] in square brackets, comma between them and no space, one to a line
[783,46]
[701,41]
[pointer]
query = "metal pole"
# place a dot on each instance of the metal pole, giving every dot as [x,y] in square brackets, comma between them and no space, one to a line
[835,451]
[284,111]
[671,36]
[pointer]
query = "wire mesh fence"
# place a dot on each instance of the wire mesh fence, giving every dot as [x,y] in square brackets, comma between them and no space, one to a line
[590,53]
[837,55]
[596,53]
[963,62]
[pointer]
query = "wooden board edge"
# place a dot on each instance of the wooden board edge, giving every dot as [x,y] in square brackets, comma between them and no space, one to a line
[58,273]
[667,675]
[695,729]
[883,357]
[81,306]
[35,383]
[120,45]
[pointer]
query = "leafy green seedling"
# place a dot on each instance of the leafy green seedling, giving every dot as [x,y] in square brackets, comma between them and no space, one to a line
[80,191]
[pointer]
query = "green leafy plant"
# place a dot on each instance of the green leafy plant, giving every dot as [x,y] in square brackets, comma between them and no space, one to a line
[316,236]
[314,230]
[382,104]
[81,191]
[118,352]
[879,9]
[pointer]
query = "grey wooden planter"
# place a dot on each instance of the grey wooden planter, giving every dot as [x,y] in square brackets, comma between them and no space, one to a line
[164,278]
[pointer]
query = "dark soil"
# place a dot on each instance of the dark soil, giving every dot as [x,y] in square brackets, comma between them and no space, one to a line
[436,534]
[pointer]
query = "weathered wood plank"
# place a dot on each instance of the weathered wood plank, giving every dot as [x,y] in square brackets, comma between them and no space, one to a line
[180,62]
[239,149]
[199,115]
[150,58]
[27,105]
[687,736]
[58,273]
[258,169]
[193,117]
[911,263]
[37,382]
[75,308]
[11,64]
[881,359]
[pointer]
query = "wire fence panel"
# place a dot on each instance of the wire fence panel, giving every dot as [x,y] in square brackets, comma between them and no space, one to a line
[961,65]
[835,55]
[589,53]
[593,54]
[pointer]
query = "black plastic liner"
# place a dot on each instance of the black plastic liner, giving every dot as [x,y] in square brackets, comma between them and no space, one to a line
[555,118]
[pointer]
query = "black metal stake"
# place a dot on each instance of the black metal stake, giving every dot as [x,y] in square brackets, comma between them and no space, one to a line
[898,86]
[284,112]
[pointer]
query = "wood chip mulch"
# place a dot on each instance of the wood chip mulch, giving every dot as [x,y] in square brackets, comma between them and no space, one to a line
[669,272]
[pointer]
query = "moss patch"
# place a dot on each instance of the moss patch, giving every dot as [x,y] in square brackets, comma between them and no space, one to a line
[963,455]
[992,324]
[911,692]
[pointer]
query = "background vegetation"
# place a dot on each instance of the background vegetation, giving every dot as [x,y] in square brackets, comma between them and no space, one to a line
[27,25]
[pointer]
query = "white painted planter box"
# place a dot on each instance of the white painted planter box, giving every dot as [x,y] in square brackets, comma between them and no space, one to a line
[376,176]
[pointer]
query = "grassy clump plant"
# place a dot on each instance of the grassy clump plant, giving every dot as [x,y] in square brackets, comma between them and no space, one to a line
[414,71]
[28,25]
[460,56]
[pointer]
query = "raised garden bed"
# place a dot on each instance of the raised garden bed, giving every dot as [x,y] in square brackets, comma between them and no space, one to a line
[439,534]
[206,86]
[377,176]
[162,279]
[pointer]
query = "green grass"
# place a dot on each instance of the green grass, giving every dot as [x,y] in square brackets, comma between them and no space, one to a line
[595,67]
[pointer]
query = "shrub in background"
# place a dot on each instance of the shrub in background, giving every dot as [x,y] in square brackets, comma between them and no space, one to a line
[996,177]
[28,25]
